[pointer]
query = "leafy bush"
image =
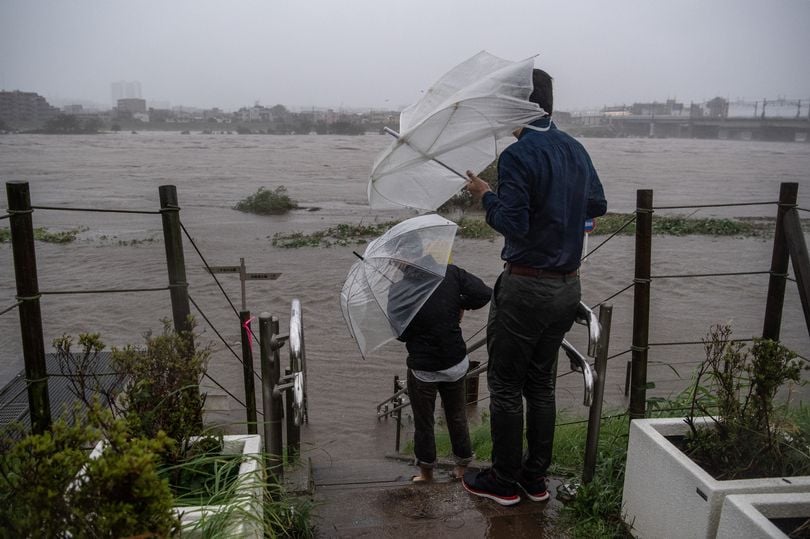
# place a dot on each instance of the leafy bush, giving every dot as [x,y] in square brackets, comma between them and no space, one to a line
[117,495]
[265,202]
[163,393]
[750,434]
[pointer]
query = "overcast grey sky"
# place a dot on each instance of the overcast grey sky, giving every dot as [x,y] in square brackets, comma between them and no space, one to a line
[383,53]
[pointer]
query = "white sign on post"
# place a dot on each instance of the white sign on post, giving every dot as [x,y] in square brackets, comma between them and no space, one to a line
[243,276]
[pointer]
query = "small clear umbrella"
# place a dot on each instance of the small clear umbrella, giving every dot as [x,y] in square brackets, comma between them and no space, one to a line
[396,275]
[453,128]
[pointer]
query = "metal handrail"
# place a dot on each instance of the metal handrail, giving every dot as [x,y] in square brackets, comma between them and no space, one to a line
[579,363]
[588,375]
[298,364]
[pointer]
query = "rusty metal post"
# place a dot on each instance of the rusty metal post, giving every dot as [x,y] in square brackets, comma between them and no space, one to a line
[779,265]
[175,261]
[293,430]
[272,404]
[641,303]
[396,403]
[595,415]
[25,273]
[247,370]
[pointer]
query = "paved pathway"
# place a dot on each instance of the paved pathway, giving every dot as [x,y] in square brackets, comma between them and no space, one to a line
[375,498]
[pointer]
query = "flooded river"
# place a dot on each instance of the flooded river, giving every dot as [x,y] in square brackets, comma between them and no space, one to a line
[327,175]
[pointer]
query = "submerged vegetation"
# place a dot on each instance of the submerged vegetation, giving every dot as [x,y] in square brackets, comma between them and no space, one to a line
[43,234]
[267,202]
[343,234]
[473,226]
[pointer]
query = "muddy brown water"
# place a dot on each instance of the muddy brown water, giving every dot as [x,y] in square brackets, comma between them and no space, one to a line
[327,175]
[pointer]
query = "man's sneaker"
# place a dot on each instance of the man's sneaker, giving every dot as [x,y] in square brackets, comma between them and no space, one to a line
[536,489]
[485,484]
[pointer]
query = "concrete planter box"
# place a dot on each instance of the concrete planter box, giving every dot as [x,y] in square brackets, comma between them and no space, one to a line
[667,495]
[749,516]
[249,499]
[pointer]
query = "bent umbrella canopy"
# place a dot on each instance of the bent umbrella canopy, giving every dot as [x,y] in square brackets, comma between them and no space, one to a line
[453,128]
[395,276]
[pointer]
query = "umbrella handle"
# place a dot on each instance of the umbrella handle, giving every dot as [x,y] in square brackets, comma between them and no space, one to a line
[454,171]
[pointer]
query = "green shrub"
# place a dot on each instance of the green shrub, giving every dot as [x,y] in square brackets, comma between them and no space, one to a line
[164,393]
[265,202]
[119,494]
[750,435]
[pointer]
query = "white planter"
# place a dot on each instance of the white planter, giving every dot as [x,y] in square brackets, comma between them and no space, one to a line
[249,497]
[667,495]
[748,516]
[250,491]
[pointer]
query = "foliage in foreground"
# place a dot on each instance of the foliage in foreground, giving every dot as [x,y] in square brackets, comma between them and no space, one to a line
[156,455]
[749,435]
[267,202]
[120,494]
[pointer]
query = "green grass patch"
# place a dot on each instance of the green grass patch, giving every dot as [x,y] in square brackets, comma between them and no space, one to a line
[267,202]
[43,234]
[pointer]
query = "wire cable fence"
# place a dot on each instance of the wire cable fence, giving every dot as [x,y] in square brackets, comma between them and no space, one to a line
[136,290]
[673,364]
[230,302]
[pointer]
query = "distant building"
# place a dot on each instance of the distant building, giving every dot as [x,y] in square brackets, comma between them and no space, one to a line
[28,107]
[131,106]
[124,90]
[670,107]
[73,109]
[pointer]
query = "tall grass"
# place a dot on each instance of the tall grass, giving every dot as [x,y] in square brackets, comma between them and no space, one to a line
[252,501]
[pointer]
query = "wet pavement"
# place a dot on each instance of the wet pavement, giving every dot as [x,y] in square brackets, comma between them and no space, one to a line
[376,498]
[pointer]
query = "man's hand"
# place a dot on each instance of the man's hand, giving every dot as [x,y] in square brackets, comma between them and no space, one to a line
[476,186]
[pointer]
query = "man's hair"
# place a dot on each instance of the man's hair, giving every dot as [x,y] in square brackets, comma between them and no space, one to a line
[542,93]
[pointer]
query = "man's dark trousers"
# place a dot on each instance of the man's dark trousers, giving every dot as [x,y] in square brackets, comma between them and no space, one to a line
[528,319]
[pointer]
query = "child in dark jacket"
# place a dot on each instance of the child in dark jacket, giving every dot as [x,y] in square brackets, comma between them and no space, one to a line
[437,362]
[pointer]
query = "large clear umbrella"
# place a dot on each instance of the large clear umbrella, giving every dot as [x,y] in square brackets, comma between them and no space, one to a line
[453,128]
[396,275]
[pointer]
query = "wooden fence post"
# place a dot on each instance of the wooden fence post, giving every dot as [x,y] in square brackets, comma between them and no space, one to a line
[779,265]
[25,272]
[641,303]
[175,261]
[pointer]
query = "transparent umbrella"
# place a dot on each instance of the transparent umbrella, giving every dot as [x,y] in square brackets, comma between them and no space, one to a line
[453,128]
[396,275]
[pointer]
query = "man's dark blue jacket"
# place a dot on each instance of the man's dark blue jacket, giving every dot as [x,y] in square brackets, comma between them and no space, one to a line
[547,188]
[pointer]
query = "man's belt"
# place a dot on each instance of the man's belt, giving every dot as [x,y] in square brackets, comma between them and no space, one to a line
[527,271]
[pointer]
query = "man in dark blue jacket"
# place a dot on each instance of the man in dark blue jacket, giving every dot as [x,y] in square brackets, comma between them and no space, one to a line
[437,362]
[547,188]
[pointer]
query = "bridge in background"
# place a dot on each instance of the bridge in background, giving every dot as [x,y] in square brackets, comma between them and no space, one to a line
[774,120]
